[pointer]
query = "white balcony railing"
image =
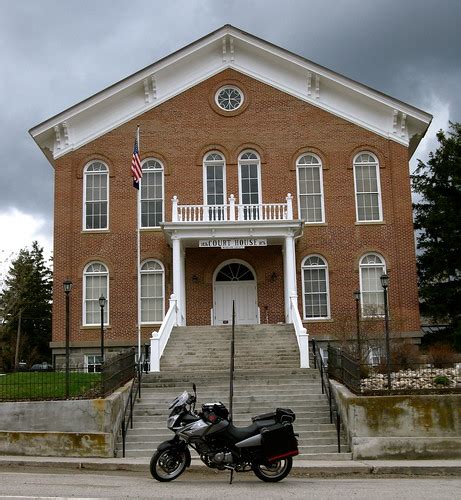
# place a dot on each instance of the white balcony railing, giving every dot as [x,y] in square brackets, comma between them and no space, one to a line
[232,211]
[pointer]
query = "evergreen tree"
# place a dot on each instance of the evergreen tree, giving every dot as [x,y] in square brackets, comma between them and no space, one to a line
[26,309]
[438,222]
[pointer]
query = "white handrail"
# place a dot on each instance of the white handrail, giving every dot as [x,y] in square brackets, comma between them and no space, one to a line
[232,211]
[160,339]
[301,333]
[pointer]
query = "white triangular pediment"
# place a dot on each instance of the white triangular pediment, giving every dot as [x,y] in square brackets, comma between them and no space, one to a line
[225,48]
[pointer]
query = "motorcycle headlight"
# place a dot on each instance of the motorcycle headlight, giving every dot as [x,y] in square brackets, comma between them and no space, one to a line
[171,421]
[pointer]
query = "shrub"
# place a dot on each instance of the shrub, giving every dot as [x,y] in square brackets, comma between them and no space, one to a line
[442,354]
[441,380]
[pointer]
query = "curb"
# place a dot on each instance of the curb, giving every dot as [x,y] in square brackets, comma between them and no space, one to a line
[301,468]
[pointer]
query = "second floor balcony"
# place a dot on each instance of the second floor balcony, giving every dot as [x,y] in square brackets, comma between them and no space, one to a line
[233,211]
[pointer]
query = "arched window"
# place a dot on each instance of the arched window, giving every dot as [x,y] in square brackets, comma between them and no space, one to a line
[152,292]
[96,196]
[316,300]
[372,267]
[310,188]
[95,285]
[367,188]
[214,184]
[250,184]
[151,193]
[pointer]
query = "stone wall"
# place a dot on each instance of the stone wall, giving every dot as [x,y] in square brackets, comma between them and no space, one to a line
[73,428]
[401,427]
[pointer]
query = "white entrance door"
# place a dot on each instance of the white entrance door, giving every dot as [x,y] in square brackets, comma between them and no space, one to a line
[235,282]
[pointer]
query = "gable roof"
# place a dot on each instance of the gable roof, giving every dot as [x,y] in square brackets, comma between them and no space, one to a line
[230,47]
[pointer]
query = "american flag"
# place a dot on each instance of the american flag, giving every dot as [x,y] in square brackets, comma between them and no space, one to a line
[136,170]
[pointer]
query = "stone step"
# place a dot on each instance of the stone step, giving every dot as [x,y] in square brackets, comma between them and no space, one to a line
[239,390]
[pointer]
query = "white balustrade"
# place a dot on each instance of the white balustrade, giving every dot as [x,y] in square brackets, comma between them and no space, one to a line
[232,211]
[160,339]
[301,333]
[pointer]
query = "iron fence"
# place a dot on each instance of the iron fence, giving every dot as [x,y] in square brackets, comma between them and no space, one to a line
[80,383]
[408,377]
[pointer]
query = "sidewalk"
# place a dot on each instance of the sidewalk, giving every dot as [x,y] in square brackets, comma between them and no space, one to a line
[301,468]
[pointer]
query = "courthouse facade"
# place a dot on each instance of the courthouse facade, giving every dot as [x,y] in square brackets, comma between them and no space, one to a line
[266,179]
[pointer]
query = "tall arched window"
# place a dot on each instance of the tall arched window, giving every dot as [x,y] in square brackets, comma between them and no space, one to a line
[367,188]
[214,184]
[250,184]
[310,188]
[372,267]
[316,300]
[96,196]
[152,292]
[95,285]
[151,193]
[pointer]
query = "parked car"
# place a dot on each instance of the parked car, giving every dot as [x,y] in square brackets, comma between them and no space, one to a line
[41,367]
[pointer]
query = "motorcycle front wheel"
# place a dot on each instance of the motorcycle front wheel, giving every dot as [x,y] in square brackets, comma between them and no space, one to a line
[168,464]
[275,471]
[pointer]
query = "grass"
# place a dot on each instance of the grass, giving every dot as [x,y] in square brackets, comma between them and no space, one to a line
[26,386]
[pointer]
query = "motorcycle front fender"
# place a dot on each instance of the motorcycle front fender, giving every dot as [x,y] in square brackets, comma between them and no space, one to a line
[178,444]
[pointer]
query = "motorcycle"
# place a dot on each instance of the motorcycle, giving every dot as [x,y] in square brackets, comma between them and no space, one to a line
[266,447]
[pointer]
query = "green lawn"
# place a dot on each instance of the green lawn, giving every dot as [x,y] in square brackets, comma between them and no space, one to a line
[48,385]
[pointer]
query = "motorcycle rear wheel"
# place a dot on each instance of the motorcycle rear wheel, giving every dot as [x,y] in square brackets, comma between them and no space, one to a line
[168,464]
[275,471]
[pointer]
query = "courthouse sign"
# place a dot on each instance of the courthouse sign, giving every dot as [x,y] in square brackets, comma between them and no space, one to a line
[226,243]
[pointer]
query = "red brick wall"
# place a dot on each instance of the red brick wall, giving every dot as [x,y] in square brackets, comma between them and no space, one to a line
[280,128]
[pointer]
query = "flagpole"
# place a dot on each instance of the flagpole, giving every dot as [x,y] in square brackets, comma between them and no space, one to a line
[138,258]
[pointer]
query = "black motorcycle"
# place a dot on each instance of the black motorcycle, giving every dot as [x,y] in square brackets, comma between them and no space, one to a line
[266,446]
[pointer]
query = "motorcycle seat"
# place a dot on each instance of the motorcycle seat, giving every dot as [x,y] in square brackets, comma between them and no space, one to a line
[241,433]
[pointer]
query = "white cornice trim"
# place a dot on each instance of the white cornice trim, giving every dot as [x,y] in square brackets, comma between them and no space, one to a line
[150,87]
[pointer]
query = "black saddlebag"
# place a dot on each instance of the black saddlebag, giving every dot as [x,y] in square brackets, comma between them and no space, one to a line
[279,441]
[280,415]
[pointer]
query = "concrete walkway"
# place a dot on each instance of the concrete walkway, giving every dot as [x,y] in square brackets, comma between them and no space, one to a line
[301,468]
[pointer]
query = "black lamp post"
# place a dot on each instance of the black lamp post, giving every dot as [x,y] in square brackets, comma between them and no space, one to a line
[385,284]
[357,317]
[102,303]
[67,288]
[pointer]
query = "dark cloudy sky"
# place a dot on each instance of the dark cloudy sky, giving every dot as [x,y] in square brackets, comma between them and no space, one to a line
[54,53]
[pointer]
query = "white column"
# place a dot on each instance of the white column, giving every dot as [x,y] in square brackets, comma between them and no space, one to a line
[289,265]
[183,286]
[177,274]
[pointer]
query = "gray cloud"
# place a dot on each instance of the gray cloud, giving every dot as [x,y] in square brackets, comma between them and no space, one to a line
[55,53]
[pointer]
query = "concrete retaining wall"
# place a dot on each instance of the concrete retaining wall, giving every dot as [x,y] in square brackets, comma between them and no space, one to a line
[401,427]
[75,428]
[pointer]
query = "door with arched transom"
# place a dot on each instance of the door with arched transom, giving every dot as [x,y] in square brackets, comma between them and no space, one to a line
[235,281]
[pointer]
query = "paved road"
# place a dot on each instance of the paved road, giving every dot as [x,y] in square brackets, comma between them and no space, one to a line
[41,484]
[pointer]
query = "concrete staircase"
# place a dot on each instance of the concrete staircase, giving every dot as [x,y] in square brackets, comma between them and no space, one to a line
[266,376]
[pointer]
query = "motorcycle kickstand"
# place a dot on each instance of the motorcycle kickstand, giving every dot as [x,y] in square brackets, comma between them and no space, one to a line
[231,476]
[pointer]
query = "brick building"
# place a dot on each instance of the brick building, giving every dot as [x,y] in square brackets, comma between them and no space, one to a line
[267,179]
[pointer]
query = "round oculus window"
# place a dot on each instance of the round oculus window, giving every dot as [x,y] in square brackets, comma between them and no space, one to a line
[229,98]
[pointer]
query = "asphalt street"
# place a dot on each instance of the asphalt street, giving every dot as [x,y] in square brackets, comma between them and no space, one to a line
[80,484]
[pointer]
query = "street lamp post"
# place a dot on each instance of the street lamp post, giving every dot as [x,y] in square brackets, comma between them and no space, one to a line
[102,303]
[357,317]
[385,284]
[67,288]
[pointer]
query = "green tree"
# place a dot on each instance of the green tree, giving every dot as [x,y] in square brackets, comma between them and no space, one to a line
[438,225]
[26,309]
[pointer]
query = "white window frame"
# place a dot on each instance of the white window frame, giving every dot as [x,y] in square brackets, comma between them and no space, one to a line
[378,185]
[319,165]
[249,161]
[87,363]
[140,200]
[162,272]
[206,163]
[327,279]
[106,307]
[85,177]
[363,312]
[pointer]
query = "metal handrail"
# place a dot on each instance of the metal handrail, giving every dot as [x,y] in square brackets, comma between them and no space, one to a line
[326,389]
[135,392]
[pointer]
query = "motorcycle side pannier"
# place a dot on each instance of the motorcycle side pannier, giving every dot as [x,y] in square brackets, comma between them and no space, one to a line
[279,441]
[280,415]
